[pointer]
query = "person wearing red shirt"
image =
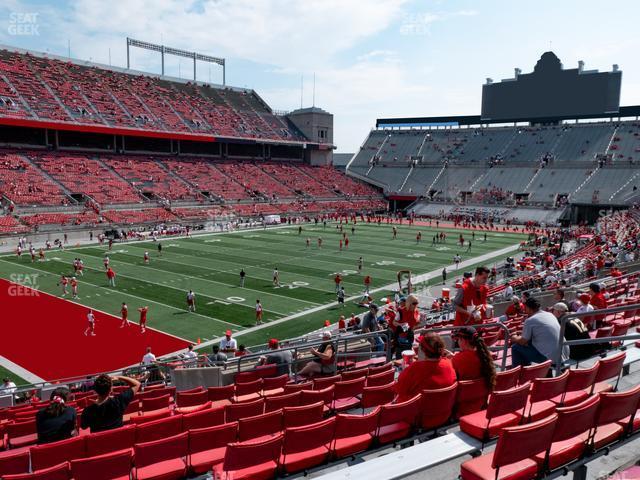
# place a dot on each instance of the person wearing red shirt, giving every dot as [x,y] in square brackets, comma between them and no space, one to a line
[143,318]
[597,301]
[124,313]
[111,276]
[474,358]
[615,272]
[408,312]
[431,371]
[515,308]
[470,298]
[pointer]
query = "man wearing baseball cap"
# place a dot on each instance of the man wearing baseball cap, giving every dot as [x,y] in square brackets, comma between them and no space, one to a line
[228,344]
[574,329]
[280,357]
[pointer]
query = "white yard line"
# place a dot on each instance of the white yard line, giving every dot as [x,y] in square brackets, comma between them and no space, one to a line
[415,280]
[18,370]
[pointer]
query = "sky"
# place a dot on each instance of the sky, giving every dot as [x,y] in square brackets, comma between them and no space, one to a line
[370,58]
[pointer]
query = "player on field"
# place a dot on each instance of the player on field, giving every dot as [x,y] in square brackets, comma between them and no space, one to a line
[418,237]
[48,244]
[191,301]
[159,249]
[456,260]
[341,296]
[32,252]
[243,274]
[124,314]
[91,324]
[346,242]
[111,276]
[63,283]
[276,277]
[146,257]
[319,242]
[338,281]
[258,312]
[106,261]
[340,244]
[367,284]
[395,232]
[74,287]
[300,230]
[308,242]
[19,251]
[360,264]
[41,255]
[468,246]
[143,318]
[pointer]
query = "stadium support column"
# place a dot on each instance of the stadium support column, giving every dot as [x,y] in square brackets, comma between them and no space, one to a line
[194,66]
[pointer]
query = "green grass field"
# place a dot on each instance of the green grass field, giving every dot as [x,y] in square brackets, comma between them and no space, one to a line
[210,266]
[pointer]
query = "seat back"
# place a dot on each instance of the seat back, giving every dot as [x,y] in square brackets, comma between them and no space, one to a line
[156,403]
[150,417]
[348,425]
[508,401]
[303,415]
[274,383]
[111,440]
[538,370]
[321,383]
[165,427]
[20,429]
[203,419]
[437,406]
[617,406]
[203,439]
[248,388]
[297,387]
[576,419]
[308,437]
[582,378]
[237,411]
[14,463]
[548,388]
[190,399]
[103,467]
[507,379]
[471,396]
[51,454]
[59,472]
[277,402]
[160,450]
[531,439]
[216,394]
[349,388]
[247,454]
[378,395]
[610,367]
[383,378]
[260,425]
[353,374]
[312,396]
[380,368]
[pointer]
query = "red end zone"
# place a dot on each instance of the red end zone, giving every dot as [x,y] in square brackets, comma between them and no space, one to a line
[45,335]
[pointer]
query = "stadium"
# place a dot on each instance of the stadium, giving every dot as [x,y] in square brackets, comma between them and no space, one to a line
[196,284]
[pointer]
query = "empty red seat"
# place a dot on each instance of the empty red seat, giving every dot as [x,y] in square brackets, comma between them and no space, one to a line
[264,425]
[307,446]
[579,385]
[274,385]
[155,403]
[376,369]
[609,368]
[378,395]
[543,392]
[383,378]
[111,440]
[531,372]
[246,392]
[150,416]
[203,418]
[313,396]
[14,463]
[471,396]
[347,394]
[20,434]
[397,420]
[277,402]
[237,411]
[297,387]
[507,462]
[321,383]
[507,379]
[162,459]
[353,374]
[189,399]
[51,454]
[208,446]
[302,415]
[194,408]
[505,409]
[614,416]
[250,460]
[354,433]
[59,472]
[165,427]
[437,406]
[221,394]
[111,466]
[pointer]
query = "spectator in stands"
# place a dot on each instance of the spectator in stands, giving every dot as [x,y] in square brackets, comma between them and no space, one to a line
[106,413]
[148,358]
[474,358]
[281,358]
[370,324]
[402,339]
[515,309]
[190,357]
[56,421]
[597,300]
[228,344]
[574,329]
[324,361]
[241,352]
[471,298]
[431,371]
[408,312]
[539,339]
[217,358]
[8,387]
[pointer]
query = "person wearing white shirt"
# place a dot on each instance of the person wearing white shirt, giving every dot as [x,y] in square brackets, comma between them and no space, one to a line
[149,358]
[508,292]
[228,344]
[8,387]
[190,357]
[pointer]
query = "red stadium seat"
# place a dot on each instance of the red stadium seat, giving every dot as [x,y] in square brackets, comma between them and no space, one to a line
[353,374]
[162,459]
[303,415]
[380,369]
[505,409]
[21,434]
[155,403]
[614,416]
[202,419]
[379,395]
[511,463]
[237,411]
[346,395]
[14,463]
[264,425]
[608,368]
[543,391]
[165,427]
[579,385]
[312,396]
[150,416]
[111,440]
[297,387]
[51,454]
[246,392]
[207,446]
[274,385]
[59,472]
[221,394]
[437,406]
[250,460]
[354,433]
[193,409]
[397,420]
[323,382]
[471,396]
[507,379]
[538,370]
[111,466]
[307,446]
[382,378]
[192,398]
[277,402]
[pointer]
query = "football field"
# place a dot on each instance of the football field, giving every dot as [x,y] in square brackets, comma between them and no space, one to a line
[210,265]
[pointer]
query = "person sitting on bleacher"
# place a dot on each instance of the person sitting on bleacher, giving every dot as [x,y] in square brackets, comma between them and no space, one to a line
[431,371]
[106,413]
[574,330]
[56,421]
[474,358]
[323,362]
[540,336]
